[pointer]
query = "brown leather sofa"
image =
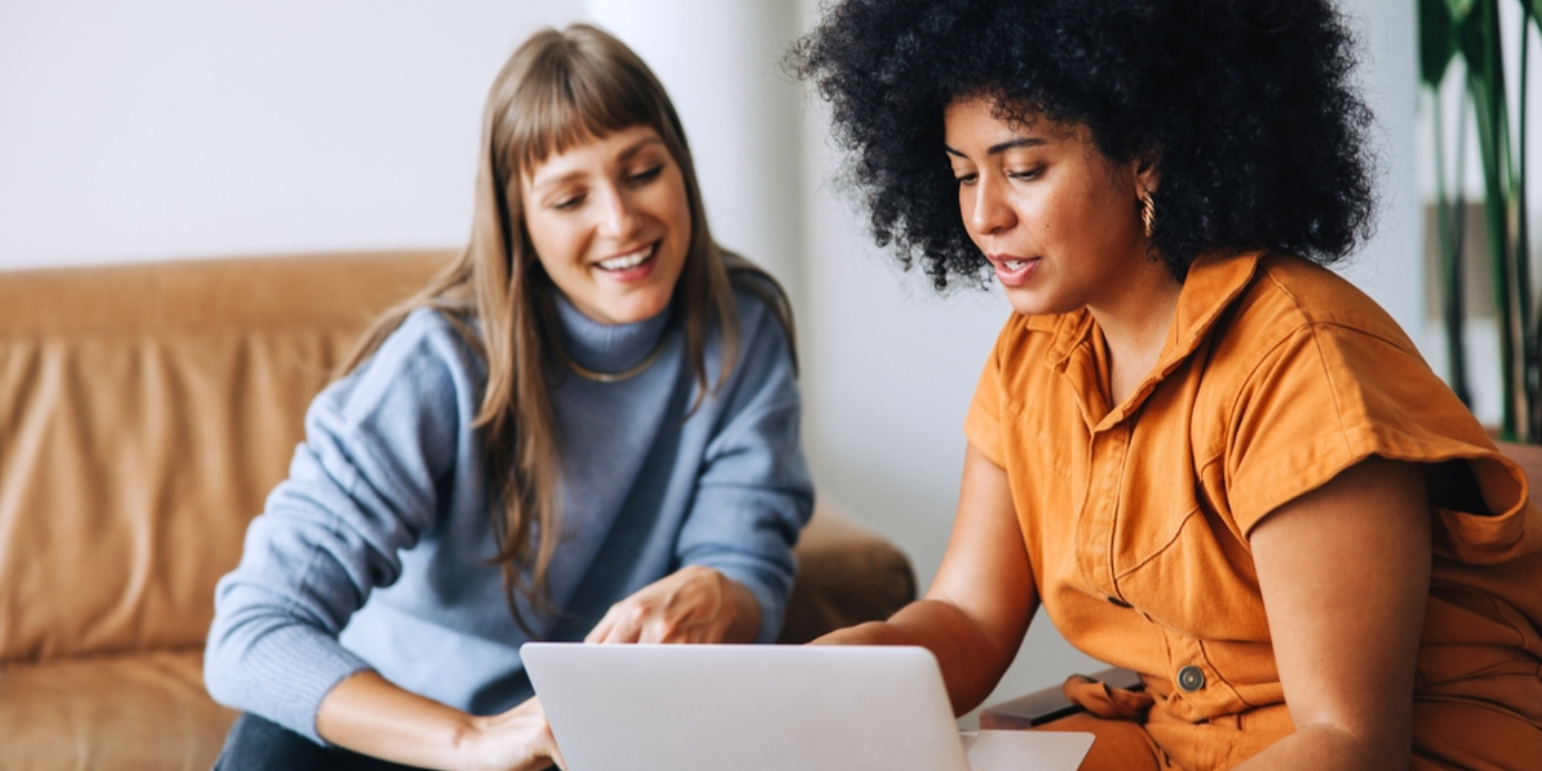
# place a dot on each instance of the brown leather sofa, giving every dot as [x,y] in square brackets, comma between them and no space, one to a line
[145,412]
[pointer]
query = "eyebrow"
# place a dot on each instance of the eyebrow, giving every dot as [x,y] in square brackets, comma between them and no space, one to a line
[1002,147]
[624,156]
[637,147]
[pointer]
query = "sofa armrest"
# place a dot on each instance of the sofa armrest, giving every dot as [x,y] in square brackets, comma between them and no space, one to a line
[1050,704]
[847,574]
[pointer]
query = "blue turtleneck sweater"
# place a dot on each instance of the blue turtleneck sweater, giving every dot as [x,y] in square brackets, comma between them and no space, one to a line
[375,553]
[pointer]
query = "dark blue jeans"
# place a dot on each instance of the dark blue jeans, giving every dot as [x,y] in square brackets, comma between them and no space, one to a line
[256,744]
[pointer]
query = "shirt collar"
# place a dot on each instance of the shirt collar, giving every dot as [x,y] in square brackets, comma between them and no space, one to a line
[1213,284]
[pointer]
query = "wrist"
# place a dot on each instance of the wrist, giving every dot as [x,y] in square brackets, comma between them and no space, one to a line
[465,738]
[744,625]
[865,633]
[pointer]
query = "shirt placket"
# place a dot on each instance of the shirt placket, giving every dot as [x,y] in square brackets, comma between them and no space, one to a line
[1107,455]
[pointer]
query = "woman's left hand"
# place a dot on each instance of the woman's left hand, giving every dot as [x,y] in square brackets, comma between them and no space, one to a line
[695,604]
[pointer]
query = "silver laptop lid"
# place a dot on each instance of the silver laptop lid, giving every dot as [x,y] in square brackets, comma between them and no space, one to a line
[745,707]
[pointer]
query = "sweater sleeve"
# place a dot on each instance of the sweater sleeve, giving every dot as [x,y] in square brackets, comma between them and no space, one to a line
[754,494]
[362,487]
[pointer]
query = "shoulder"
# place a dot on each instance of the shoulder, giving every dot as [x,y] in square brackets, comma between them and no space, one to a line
[764,316]
[1310,376]
[764,358]
[1301,333]
[1291,296]
[427,358]
[402,416]
[758,298]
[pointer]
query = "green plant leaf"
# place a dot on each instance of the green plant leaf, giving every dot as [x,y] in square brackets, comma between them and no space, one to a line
[1479,39]
[1437,40]
[1532,9]
[1459,8]
[1468,29]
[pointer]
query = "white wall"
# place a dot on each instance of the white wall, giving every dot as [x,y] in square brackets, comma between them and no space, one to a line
[169,129]
[1390,268]
[175,128]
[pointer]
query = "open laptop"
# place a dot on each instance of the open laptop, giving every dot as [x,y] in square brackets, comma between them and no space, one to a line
[769,708]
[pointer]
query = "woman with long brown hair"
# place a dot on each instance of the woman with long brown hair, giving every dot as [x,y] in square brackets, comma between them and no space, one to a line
[585,428]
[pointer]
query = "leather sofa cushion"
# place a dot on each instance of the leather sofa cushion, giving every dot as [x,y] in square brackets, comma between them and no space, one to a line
[127,713]
[846,575]
[145,413]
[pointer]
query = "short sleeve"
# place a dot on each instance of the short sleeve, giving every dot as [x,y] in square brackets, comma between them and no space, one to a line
[982,424]
[1329,396]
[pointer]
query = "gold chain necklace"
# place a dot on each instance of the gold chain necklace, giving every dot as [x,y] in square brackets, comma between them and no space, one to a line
[615,377]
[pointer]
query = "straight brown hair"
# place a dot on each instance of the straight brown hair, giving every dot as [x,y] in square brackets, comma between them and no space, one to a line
[559,90]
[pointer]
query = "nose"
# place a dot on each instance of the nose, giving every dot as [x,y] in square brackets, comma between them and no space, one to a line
[618,215]
[986,208]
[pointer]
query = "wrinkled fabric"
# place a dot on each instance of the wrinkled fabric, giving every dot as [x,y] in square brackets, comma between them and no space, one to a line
[1276,375]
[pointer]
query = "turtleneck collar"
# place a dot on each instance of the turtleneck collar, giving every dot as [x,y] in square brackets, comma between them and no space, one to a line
[608,347]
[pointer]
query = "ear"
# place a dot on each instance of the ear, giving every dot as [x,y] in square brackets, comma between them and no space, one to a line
[1147,174]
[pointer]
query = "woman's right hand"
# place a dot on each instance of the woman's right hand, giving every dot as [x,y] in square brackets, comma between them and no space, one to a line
[517,740]
[369,714]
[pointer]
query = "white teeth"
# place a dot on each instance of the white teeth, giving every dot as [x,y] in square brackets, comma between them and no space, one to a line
[630,260]
[1014,264]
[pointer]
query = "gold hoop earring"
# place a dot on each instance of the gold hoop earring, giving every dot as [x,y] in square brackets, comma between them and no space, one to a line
[1148,213]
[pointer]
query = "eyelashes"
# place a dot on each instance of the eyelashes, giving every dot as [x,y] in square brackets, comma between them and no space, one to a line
[638,179]
[1028,175]
[647,175]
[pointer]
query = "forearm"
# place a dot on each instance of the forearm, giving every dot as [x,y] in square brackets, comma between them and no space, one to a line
[1326,748]
[368,714]
[971,663]
[978,608]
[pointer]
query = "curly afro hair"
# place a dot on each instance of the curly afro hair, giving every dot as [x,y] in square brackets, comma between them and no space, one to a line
[1247,107]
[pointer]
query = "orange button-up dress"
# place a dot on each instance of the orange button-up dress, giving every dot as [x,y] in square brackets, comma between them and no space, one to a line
[1276,376]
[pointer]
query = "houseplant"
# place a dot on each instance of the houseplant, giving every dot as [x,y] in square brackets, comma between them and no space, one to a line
[1468,34]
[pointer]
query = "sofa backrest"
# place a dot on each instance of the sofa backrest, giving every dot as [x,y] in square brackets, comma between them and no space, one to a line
[145,413]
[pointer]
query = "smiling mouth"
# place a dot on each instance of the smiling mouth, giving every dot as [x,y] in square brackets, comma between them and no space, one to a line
[1010,264]
[631,259]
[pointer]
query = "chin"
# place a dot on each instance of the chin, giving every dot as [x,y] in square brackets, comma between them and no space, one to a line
[1035,303]
[630,310]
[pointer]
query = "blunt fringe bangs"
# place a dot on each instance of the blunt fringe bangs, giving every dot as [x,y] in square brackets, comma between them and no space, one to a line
[570,95]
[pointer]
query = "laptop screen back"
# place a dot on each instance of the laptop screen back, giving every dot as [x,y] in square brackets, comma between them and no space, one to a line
[745,707]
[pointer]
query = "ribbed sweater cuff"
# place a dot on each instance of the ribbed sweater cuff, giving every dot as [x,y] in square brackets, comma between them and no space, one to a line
[290,671]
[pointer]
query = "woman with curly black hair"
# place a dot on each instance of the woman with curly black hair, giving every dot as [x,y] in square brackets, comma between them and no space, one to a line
[1210,459]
